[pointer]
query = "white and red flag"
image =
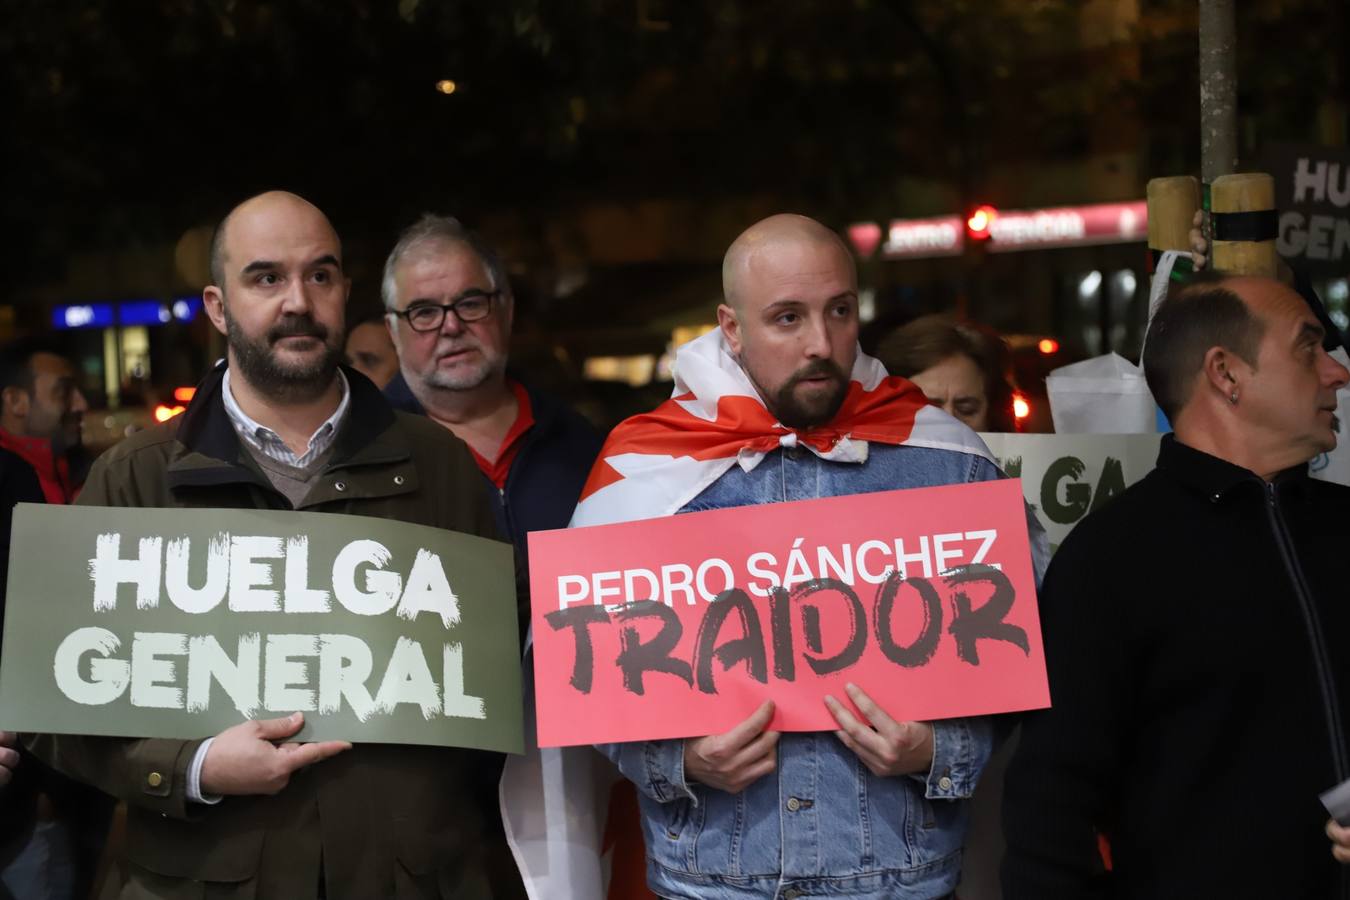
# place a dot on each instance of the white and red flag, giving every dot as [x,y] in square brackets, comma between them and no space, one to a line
[655,463]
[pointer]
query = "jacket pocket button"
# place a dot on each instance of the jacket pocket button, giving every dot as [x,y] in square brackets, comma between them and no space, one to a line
[340,485]
[154,779]
[793,804]
[398,479]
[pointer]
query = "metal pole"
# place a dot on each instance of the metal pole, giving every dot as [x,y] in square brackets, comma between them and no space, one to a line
[1218,90]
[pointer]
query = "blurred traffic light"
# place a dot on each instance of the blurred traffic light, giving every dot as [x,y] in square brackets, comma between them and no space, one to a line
[1048,346]
[164,413]
[980,222]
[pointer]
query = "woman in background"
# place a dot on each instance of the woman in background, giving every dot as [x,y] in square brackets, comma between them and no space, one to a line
[960,366]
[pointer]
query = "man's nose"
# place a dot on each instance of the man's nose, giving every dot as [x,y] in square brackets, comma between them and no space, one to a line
[297,300]
[78,404]
[1333,373]
[451,325]
[817,339]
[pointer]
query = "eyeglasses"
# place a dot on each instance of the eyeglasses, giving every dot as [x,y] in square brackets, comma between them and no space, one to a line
[471,307]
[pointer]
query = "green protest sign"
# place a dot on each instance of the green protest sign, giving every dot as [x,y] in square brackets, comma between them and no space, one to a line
[179,623]
[1066,476]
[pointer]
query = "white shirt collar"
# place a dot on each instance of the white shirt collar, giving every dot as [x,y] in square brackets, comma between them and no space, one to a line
[268,442]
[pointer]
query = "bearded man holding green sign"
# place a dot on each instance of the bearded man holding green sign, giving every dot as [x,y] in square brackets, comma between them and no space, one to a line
[282,427]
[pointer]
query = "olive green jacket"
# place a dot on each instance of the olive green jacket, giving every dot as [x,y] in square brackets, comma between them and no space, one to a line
[380,820]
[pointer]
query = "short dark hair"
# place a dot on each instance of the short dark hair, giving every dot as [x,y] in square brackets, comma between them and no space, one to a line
[375,319]
[218,252]
[16,360]
[1198,314]
[928,340]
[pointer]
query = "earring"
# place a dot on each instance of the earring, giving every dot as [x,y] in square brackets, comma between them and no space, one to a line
[1233,397]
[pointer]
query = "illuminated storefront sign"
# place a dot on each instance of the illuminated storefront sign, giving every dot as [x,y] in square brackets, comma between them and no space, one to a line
[1015,229]
[127,313]
[918,238]
[1069,226]
[83,315]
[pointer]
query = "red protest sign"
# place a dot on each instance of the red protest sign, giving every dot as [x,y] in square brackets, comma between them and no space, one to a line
[681,626]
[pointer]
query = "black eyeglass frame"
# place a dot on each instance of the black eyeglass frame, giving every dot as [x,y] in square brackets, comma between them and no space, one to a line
[456,306]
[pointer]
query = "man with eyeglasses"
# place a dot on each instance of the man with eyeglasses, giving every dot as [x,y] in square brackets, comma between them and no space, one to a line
[449,310]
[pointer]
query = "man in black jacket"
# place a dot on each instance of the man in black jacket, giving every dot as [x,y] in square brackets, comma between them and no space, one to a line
[1196,632]
[449,308]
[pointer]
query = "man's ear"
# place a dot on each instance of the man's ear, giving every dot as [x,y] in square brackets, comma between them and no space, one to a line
[731,328]
[1224,371]
[213,299]
[15,401]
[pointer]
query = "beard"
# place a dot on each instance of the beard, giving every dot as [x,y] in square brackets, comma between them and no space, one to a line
[807,412]
[466,377]
[71,433]
[460,381]
[259,363]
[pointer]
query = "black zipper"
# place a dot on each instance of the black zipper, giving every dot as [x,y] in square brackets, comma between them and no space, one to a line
[1330,703]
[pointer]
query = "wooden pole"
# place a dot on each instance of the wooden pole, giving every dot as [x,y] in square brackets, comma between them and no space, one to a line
[1218,89]
[1242,207]
[1172,203]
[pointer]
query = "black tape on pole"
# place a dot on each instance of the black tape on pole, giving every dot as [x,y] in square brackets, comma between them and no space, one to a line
[1262,225]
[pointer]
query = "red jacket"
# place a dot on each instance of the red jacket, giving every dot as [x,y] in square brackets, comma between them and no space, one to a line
[53,471]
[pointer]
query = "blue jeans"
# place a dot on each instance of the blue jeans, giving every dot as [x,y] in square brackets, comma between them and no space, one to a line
[821,824]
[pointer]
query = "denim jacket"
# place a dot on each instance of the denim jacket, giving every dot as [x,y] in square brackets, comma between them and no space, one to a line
[821,824]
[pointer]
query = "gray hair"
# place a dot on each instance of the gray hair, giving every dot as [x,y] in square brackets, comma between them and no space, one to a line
[434,229]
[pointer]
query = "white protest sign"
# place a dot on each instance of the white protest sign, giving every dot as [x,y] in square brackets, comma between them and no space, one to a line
[1066,476]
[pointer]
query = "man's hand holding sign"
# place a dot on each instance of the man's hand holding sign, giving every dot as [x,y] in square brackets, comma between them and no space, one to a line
[245,758]
[731,761]
[885,746]
[9,757]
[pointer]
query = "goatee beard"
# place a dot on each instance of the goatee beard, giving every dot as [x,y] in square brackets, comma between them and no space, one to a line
[259,365]
[794,413]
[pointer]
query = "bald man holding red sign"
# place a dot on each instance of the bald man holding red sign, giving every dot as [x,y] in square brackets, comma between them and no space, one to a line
[765,625]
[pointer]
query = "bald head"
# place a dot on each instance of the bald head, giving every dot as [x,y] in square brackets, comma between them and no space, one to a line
[768,243]
[279,297]
[791,316]
[270,205]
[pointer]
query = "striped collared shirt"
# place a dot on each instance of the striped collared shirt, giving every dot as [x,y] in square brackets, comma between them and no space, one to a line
[270,444]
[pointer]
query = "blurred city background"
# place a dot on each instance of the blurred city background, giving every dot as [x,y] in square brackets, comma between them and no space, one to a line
[613,148]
